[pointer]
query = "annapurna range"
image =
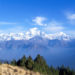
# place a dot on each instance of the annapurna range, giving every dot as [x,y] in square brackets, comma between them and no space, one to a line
[54,47]
[32,33]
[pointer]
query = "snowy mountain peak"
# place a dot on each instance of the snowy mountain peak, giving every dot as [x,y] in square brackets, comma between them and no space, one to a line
[32,33]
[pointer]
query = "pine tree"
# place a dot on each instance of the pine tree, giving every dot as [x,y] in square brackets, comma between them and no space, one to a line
[14,63]
[23,61]
[29,63]
[40,65]
[0,62]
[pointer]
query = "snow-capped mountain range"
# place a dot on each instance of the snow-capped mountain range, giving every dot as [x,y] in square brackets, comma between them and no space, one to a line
[58,48]
[27,36]
[32,33]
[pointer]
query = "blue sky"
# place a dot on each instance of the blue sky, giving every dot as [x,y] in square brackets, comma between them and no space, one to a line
[50,16]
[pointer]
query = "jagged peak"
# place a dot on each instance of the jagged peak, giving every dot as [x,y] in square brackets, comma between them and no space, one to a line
[32,33]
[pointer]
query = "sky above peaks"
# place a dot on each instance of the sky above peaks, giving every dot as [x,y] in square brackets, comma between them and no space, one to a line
[50,16]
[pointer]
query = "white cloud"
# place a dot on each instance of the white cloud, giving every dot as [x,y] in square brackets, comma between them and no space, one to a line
[15,29]
[33,31]
[39,20]
[71,32]
[54,26]
[3,23]
[71,16]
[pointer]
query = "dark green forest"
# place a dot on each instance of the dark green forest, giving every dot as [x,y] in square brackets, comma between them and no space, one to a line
[39,65]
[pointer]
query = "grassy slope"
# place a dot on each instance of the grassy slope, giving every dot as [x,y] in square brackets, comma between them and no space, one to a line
[6,69]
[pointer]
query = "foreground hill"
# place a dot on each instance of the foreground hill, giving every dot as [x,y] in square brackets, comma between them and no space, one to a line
[6,69]
[28,66]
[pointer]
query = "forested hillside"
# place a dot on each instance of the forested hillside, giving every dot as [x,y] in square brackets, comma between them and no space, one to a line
[39,65]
